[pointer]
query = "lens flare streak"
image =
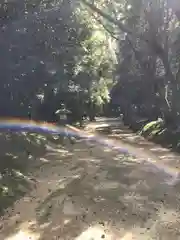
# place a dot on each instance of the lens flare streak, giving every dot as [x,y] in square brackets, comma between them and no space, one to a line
[20,125]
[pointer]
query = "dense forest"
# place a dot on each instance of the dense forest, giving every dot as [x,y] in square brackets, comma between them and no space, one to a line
[52,52]
[94,56]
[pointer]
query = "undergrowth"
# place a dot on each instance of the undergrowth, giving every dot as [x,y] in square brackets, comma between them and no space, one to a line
[18,151]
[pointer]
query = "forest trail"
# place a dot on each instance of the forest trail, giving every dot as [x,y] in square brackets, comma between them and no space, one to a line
[87,190]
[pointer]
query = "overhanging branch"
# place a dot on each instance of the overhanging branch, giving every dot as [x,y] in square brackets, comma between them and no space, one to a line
[103,25]
[160,53]
[121,26]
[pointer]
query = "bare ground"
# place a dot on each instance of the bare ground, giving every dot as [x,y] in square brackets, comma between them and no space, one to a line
[89,191]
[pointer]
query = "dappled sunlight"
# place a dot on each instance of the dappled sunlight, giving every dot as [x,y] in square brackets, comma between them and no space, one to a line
[90,159]
[49,148]
[137,200]
[168,216]
[67,62]
[150,153]
[91,193]
[166,224]
[24,235]
[168,157]
[107,150]
[25,231]
[96,233]
[127,236]
[159,149]
[92,232]
[133,138]
[21,175]
[20,156]
[44,160]
[107,185]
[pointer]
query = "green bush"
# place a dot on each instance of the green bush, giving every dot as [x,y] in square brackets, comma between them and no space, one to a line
[153,128]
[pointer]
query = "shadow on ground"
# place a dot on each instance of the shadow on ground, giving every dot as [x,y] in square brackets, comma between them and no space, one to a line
[139,143]
[20,153]
[104,191]
[116,194]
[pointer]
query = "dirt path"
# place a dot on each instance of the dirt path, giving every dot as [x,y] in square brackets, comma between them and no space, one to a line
[94,192]
[162,158]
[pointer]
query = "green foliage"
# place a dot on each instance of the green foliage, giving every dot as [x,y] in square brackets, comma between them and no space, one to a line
[97,61]
[148,68]
[153,128]
[20,150]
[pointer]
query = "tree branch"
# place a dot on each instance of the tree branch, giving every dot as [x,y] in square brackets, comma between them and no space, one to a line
[158,50]
[121,26]
[99,21]
[166,96]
